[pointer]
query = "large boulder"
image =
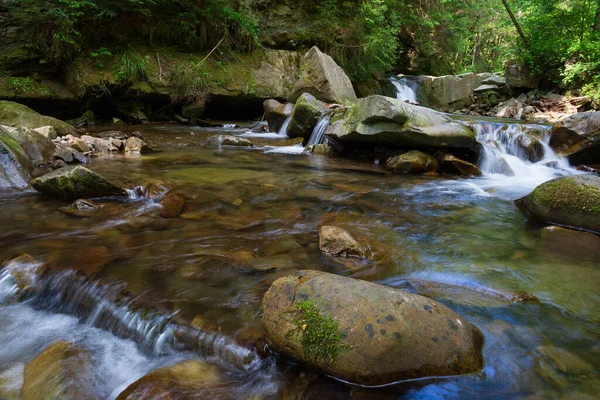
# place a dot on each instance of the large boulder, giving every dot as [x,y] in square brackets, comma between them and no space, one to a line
[276,113]
[15,166]
[324,79]
[61,371]
[387,121]
[449,92]
[413,162]
[18,115]
[572,201]
[38,148]
[305,116]
[519,77]
[577,137]
[75,183]
[365,333]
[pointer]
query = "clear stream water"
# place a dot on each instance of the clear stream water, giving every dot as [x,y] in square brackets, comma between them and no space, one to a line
[253,215]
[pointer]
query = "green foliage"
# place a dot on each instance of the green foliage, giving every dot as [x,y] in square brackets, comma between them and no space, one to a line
[100,52]
[60,29]
[321,334]
[131,67]
[20,85]
[188,82]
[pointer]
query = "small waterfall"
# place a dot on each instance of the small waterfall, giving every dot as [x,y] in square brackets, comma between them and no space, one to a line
[518,150]
[318,133]
[284,128]
[108,308]
[406,89]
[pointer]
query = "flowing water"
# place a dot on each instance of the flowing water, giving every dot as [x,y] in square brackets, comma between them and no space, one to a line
[253,215]
[406,89]
[318,133]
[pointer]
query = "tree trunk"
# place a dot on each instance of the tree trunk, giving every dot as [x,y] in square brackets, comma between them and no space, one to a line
[476,50]
[516,23]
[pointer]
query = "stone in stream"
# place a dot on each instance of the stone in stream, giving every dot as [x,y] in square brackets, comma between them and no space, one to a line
[15,165]
[531,147]
[69,155]
[25,270]
[324,79]
[320,150]
[305,116]
[47,131]
[38,148]
[136,145]
[336,241]
[380,120]
[81,208]
[99,145]
[576,137]
[61,371]
[365,333]
[454,165]
[228,140]
[75,183]
[191,379]
[172,205]
[413,162]
[572,201]
[276,113]
[17,115]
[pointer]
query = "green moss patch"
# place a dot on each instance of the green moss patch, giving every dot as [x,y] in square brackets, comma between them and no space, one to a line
[321,334]
[568,194]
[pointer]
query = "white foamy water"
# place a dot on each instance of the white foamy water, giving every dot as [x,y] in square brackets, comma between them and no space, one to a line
[295,149]
[284,128]
[263,135]
[405,89]
[516,158]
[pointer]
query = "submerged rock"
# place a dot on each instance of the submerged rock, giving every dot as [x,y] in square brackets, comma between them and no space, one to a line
[305,116]
[324,79]
[320,150]
[24,269]
[454,165]
[413,162]
[385,121]
[572,201]
[228,140]
[18,115]
[81,208]
[172,205]
[74,183]
[185,380]
[61,371]
[366,333]
[336,241]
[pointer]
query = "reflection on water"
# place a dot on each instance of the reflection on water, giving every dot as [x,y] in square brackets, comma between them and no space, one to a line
[252,216]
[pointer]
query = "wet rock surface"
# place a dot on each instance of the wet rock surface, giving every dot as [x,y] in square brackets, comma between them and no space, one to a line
[572,201]
[76,182]
[413,161]
[336,241]
[367,333]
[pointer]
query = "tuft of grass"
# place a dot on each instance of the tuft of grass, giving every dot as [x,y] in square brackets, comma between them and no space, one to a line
[188,82]
[131,66]
[321,334]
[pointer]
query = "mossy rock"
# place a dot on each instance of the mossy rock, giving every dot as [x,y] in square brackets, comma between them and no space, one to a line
[15,166]
[571,201]
[18,115]
[365,333]
[75,183]
[305,116]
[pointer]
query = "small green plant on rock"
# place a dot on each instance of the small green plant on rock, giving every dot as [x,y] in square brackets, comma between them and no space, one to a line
[321,334]
[188,82]
[20,85]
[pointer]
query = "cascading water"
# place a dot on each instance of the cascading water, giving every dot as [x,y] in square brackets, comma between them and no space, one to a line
[318,133]
[518,156]
[284,128]
[406,90]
